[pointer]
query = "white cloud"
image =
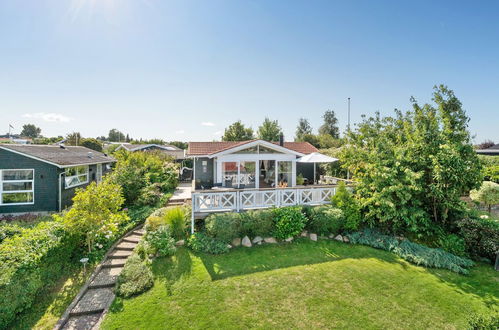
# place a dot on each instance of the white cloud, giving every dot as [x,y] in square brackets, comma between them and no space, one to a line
[50,117]
[218,133]
[207,123]
[180,131]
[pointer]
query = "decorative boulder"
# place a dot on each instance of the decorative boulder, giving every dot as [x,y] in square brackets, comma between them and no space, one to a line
[180,243]
[345,239]
[229,246]
[339,238]
[246,242]
[270,240]
[236,242]
[313,237]
[289,239]
[304,233]
[257,240]
[331,236]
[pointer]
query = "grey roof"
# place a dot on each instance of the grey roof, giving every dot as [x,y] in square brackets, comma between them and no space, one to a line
[494,150]
[135,147]
[61,157]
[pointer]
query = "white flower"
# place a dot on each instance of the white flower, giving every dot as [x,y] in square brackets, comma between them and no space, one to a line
[107,236]
[484,216]
[99,246]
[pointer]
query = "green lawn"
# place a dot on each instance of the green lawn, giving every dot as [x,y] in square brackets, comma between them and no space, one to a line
[304,285]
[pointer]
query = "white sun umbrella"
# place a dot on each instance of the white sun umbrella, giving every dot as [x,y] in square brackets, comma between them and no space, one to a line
[316,157]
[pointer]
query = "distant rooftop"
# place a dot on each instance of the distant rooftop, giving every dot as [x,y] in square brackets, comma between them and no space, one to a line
[59,156]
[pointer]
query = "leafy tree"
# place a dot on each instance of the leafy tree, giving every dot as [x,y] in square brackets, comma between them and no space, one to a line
[44,140]
[91,143]
[116,136]
[302,129]
[179,144]
[310,138]
[269,130]
[413,168]
[237,132]
[487,194]
[326,141]
[96,210]
[330,126]
[127,139]
[31,131]
[73,139]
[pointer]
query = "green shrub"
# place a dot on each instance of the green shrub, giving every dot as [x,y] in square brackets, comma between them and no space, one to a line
[484,322]
[200,242]
[300,180]
[412,252]
[453,244]
[481,237]
[143,249]
[326,220]
[488,194]
[223,226]
[288,221]
[344,200]
[9,230]
[161,241]
[30,262]
[135,278]
[257,223]
[175,218]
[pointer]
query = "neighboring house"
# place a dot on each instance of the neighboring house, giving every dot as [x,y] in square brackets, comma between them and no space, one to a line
[15,138]
[43,178]
[176,153]
[249,164]
[491,151]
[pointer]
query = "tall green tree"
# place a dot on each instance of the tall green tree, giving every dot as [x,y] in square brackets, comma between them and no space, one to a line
[413,168]
[73,139]
[330,125]
[302,129]
[237,132]
[116,136]
[269,130]
[31,131]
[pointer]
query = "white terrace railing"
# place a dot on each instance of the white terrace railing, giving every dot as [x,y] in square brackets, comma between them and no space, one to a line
[248,199]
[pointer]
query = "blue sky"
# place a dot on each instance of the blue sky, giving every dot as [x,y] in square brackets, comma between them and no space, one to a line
[184,70]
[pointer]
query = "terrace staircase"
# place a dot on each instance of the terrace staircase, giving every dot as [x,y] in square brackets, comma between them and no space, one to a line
[96,296]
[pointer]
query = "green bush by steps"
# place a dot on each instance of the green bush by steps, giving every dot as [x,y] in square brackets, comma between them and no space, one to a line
[412,252]
[135,278]
[289,221]
[326,220]
[29,262]
[200,242]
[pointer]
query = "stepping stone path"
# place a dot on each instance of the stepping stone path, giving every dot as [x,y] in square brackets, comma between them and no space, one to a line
[97,294]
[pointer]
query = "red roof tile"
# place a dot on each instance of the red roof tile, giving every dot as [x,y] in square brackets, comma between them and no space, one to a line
[208,148]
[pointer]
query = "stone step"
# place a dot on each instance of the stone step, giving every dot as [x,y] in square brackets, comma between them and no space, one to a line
[81,322]
[119,254]
[93,301]
[139,232]
[105,278]
[131,240]
[113,263]
[127,246]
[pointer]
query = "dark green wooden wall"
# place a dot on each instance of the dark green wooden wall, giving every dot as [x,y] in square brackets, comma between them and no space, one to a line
[204,174]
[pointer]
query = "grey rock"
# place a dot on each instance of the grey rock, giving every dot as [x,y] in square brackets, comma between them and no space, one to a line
[229,246]
[236,242]
[331,236]
[180,243]
[289,239]
[257,239]
[304,233]
[313,237]
[270,240]
[246,242]
[339,238]
[345,239]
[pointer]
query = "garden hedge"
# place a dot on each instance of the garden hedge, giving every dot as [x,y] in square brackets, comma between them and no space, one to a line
[28,263]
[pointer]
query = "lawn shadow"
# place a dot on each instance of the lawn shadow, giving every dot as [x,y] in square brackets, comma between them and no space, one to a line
[242,261]
[482,282]
[171,269]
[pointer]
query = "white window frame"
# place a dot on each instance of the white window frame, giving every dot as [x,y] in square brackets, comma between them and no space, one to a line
[78,175]
[2,192]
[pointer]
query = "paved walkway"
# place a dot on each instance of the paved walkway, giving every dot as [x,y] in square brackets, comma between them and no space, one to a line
[97,294]
[182,193]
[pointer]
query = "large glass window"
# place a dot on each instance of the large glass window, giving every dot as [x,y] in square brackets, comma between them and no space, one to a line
[284,174]
[16,186]
[75,176]
[247,174]
[267,174]
[229,174]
